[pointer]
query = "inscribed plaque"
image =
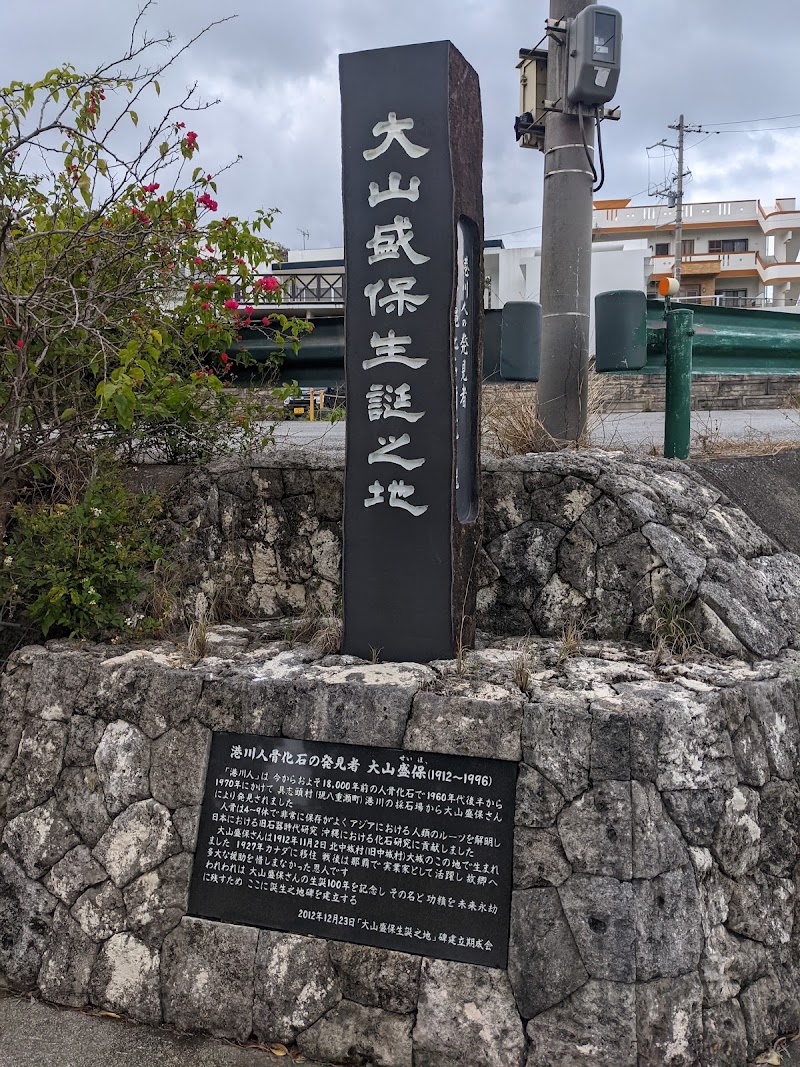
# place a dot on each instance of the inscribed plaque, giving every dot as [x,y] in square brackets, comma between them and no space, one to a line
[408,851]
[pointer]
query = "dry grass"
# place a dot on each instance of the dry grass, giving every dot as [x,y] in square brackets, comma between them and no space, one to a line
[328,638]
[674,634]
[510,423]
[197,642]
[522,665]
[317,628]
[571,640]
[711,443]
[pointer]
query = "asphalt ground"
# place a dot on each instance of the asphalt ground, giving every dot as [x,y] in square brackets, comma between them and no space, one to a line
[33,1034]
[637,430]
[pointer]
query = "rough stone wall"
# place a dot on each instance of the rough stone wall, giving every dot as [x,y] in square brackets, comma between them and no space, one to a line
[655,854]
[710,392]
[608,541]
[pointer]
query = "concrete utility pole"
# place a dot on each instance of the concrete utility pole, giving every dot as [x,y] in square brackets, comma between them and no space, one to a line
[566,250]
[679,202]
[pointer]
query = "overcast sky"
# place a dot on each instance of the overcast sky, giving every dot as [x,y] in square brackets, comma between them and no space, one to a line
[274,70]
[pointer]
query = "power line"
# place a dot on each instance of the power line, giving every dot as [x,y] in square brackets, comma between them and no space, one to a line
[689,147]
[509,233]
[761,129]
[738,122]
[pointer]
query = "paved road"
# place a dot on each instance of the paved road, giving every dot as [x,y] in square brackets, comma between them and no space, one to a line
[33,1034]
[639,430]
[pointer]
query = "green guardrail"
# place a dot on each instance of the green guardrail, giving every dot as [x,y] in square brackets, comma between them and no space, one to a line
[631,337]
[512,349]
[634,335]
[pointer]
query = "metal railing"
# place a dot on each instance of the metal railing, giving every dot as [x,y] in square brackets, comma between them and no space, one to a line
[721,300]
[313,288]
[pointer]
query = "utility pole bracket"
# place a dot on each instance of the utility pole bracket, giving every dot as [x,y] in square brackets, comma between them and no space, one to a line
[556,25]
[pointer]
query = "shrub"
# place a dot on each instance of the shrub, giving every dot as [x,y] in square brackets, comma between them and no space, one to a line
[82,568]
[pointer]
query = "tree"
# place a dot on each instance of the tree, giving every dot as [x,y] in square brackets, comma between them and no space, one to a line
[122,290]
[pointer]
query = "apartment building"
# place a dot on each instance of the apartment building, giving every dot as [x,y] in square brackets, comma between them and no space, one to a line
[736,253]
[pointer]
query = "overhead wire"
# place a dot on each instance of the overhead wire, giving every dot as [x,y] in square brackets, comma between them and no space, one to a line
[738,122]
[761,129]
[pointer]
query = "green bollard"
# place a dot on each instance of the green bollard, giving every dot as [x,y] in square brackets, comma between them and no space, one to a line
[678,409]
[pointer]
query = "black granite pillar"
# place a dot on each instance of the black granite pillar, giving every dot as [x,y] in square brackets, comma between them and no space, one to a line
[413,213]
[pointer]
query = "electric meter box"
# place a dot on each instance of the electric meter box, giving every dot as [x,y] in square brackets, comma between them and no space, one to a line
[595,46]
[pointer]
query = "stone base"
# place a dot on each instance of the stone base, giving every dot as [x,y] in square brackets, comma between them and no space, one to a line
[656,841]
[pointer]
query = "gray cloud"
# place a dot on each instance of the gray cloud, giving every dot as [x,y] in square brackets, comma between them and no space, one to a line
[274,70]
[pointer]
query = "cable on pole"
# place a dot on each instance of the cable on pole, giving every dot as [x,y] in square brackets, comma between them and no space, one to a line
[586,147]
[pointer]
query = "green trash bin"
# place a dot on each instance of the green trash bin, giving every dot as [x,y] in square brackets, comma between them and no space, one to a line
[512,343]
[620,330]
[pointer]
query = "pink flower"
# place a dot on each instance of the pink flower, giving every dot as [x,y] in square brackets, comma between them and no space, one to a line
[265,321]
[225,357]
[151,188]
[191,137]
[20,343]
[232,305]
[198,261]
[208,202]
[205,305]
[221,278]
[269,284]
[248,310]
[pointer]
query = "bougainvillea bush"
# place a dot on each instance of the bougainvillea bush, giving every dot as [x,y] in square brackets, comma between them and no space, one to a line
[122,281]
[123,287]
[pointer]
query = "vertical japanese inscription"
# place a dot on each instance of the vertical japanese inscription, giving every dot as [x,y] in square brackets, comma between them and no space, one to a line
[409,529]
[465,370]
[409,851]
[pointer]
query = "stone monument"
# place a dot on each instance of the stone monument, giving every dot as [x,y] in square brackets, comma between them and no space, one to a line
[413,214]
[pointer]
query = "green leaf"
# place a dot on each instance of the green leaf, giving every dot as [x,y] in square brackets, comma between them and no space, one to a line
[134,118]
[157,88]
[102,166]
[163,148]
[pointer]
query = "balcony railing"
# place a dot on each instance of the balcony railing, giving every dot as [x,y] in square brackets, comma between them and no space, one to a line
[721,300]
[313,288]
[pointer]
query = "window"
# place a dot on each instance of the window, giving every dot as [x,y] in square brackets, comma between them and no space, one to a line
[738,244]
[687,247]
[731,298]
[689,292]
[662,249]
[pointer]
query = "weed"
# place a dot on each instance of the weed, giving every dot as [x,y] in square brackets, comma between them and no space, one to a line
[521,666]
[197,642]
[571,638]
[674,634]
[328,638]
[510,423]
[376,653]
[319,628]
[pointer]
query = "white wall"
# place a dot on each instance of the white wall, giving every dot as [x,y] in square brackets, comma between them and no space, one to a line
[515,272]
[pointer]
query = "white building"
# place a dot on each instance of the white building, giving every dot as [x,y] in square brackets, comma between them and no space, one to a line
[737,253]
[314,279]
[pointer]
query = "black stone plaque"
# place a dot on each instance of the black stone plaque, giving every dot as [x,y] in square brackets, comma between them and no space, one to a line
[408,851]
[413,214]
